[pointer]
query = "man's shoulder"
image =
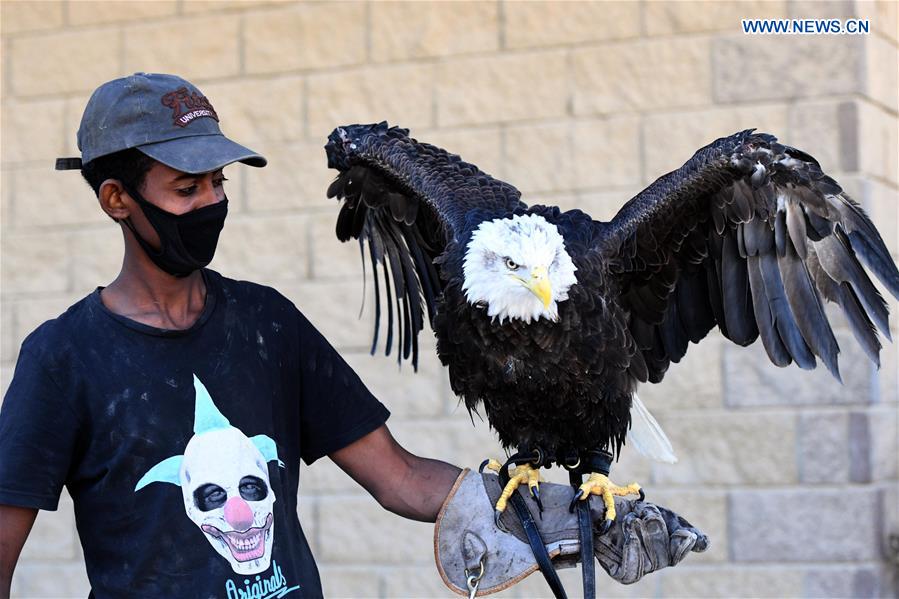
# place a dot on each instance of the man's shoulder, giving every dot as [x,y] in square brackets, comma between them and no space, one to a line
[55,335]
[255,294]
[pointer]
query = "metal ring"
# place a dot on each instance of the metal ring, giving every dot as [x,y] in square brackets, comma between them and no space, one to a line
[574,467]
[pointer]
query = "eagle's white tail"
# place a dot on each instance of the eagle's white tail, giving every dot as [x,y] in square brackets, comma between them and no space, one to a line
[647,436]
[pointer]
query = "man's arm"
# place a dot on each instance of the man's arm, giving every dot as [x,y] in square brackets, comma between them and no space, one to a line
[15,524]
[403,483]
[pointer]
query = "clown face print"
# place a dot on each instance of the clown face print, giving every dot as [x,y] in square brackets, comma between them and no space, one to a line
[224,481]
[223,475]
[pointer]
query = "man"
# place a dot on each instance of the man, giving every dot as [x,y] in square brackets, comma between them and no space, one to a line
[176,404]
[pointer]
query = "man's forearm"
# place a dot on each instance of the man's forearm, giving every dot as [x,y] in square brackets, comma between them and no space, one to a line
[422,490]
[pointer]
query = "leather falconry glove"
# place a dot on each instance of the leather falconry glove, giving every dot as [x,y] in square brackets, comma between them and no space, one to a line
[470,550]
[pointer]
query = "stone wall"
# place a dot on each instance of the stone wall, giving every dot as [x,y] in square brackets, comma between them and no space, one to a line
[578,104]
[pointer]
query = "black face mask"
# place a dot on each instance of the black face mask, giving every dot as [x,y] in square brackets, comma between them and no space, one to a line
[187,241]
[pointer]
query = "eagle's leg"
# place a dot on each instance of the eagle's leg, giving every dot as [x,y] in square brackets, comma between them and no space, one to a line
[523,472]
[598,483]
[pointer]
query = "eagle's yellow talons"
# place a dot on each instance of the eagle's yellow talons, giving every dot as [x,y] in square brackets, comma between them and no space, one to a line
[599,484]
[523,474]
[492,464]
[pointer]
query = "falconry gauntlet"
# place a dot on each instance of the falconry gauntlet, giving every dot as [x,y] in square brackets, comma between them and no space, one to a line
[468,545]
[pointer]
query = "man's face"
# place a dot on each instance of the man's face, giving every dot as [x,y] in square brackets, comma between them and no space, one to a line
[176,192]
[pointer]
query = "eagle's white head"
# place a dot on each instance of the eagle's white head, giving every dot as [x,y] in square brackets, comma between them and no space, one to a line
[518,267]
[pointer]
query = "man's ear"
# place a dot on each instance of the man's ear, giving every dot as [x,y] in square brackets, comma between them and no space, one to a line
[111,199]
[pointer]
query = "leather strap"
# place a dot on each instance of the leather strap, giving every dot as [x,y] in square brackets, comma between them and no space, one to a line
[534,538]
[585,532]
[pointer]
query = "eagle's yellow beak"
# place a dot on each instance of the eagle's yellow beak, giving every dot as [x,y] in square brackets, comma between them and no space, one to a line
[539,285]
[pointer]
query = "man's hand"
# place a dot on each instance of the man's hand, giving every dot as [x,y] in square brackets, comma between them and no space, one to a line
[643,538]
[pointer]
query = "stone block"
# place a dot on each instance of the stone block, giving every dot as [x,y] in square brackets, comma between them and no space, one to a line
[351,582]
[404,30]
[42,64]
[824,452]
[401,95]
[729,449]
[641,75]
[607,152]
[32,131]
[54,536]
[199,6]
[793,530]
[264,249]
[96,256]
[43,197]
[883,16]
[6,372]
[501,88]
[689,581]
[539,157]
[529,24]
[360,523]
[750,379]
[329,258]
[602,205]
[296,177]
[670,139]
[194,47]
[94,12]
[74,108]
[31,15]
[453,439]
[407,394]
[765,67]
[259,111]
[35,263]
[482,147]
[50,579]
[420,582]
[696,382]
[534,586]
[333,307]
[883,428]
[666,18]
[9,347]
[879,201]
[307,513]
[882,71]
[843,581]
[305,36]
[879,143]
[827,130]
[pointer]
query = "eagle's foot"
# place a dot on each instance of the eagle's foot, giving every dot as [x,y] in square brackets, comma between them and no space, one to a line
[599,484]
[520,475]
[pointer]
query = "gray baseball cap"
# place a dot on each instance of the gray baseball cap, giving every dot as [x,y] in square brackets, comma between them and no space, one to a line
[165,117]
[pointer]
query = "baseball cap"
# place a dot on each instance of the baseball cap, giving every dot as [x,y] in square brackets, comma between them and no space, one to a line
[165,117]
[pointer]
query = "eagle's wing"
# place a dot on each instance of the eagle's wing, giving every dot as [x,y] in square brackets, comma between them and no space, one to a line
[408,201]
[750,235]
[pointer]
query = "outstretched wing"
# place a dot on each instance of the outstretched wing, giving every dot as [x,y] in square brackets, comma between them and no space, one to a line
[750,235]
[407,201]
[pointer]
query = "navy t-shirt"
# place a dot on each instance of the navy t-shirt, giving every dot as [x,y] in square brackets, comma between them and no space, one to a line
[181,449]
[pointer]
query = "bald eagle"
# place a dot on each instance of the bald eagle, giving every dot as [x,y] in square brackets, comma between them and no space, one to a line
[550,319]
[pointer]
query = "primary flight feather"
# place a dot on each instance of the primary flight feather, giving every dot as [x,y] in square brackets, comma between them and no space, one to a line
[550,319]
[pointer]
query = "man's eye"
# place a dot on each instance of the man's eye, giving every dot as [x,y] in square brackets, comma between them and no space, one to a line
[188,191]
[219,182]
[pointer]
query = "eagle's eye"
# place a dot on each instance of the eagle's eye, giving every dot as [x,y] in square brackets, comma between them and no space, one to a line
[510,264]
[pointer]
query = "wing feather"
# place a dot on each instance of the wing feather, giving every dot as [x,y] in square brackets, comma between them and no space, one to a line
[407,201]
[775,238]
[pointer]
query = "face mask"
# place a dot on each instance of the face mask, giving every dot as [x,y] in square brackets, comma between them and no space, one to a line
[187,241]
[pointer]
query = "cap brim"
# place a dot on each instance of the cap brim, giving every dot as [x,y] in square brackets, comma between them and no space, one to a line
[201,153]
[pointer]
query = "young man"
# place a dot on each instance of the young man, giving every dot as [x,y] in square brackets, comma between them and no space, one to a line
[176,404]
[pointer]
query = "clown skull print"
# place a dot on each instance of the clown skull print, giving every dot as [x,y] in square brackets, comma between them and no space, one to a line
[223,475]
